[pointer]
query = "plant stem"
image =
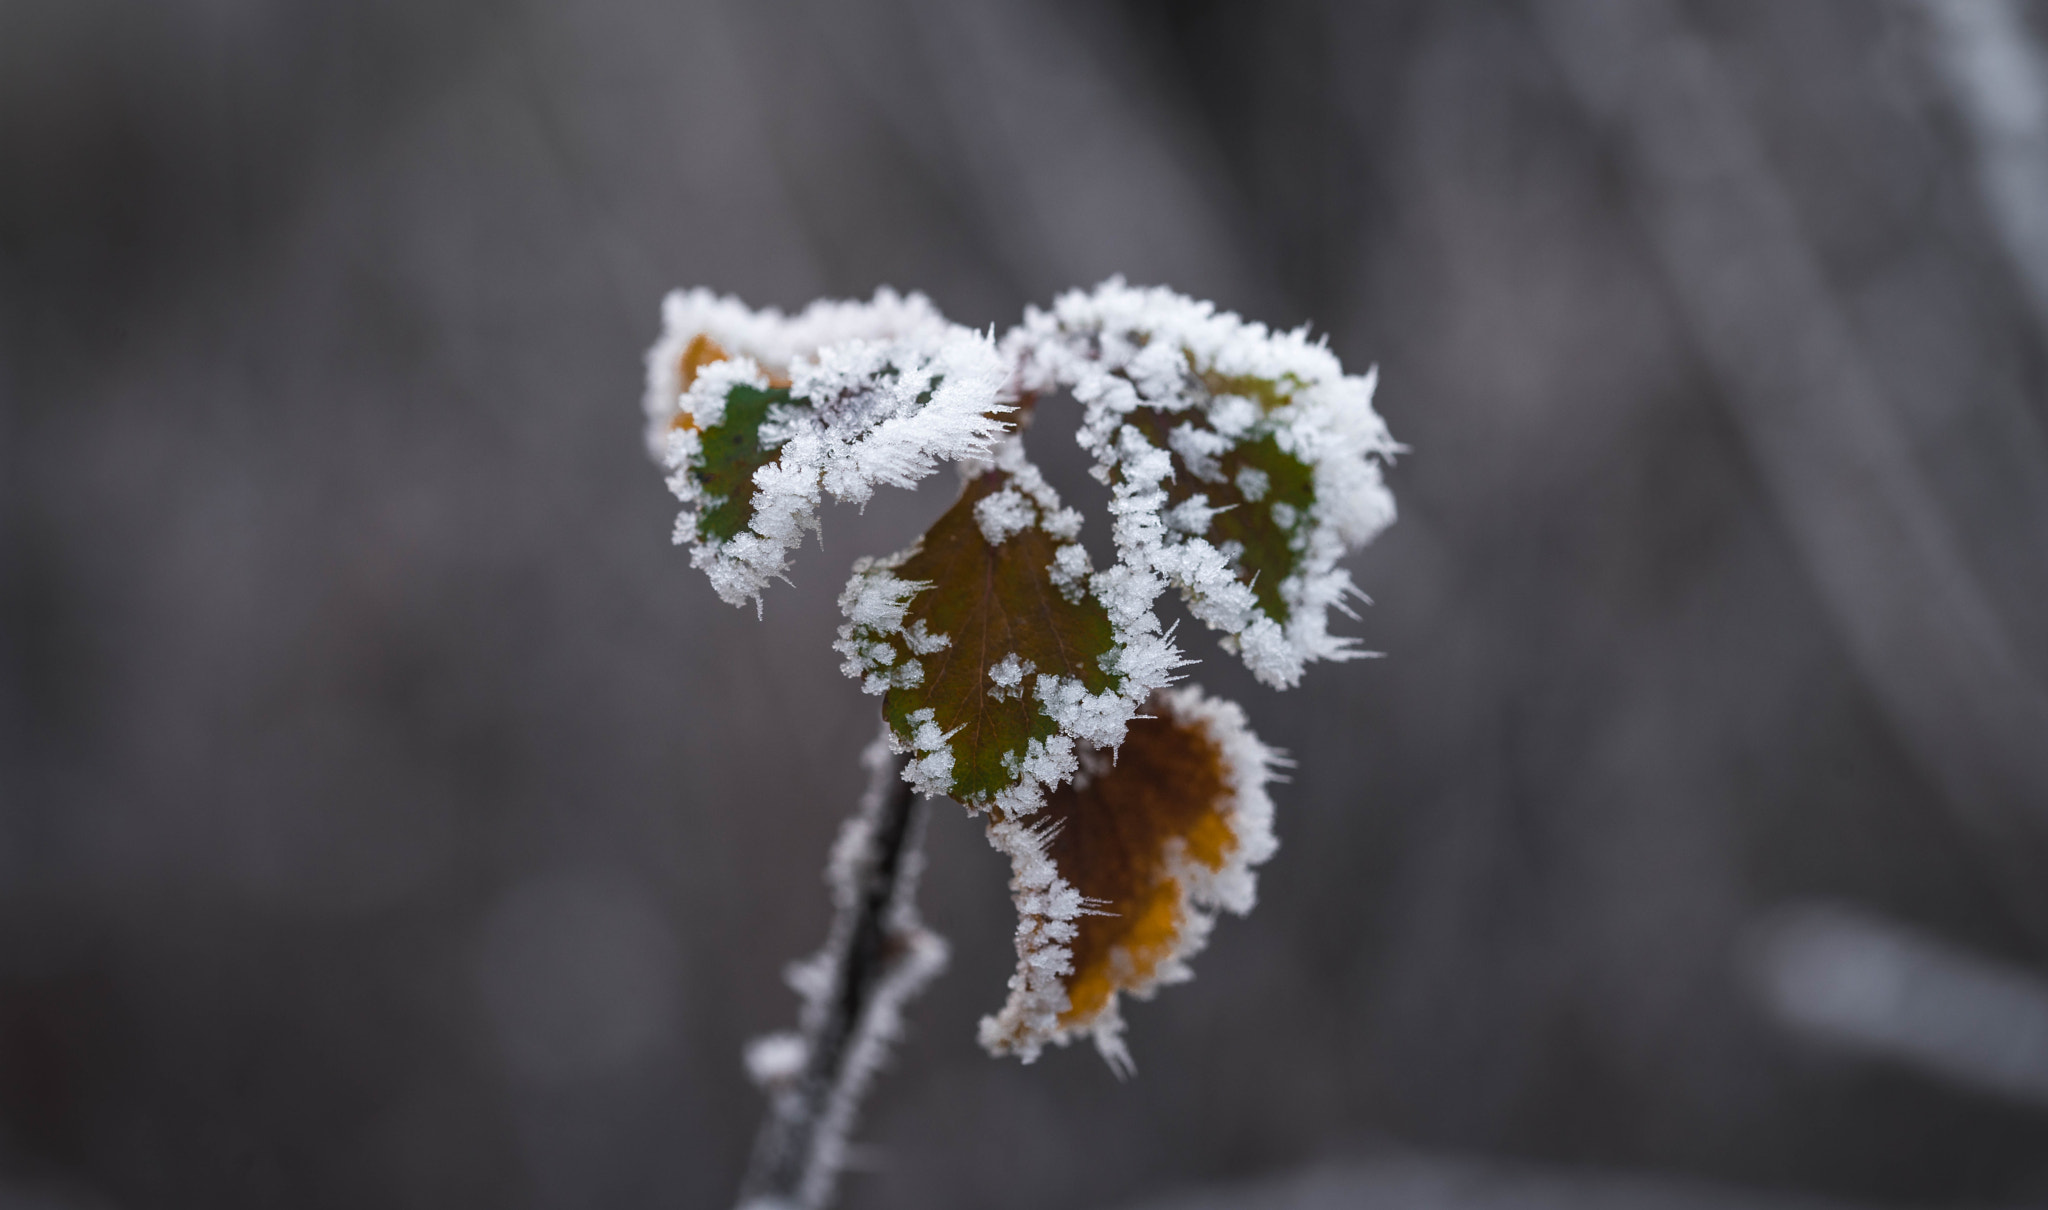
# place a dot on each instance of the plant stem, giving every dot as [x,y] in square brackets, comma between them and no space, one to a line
[877,956]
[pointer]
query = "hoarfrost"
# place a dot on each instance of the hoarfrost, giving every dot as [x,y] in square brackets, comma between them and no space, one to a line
[1004,514]
[1008,677]
[775,1059]
[1242,465]
[1069,571]
[767,337]
[850,1015]
[923,641]
[879,394]
[1128,354]
[1049,905]
[876,603]
[931,768]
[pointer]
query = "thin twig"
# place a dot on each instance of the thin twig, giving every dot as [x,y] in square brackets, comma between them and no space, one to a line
[877,957]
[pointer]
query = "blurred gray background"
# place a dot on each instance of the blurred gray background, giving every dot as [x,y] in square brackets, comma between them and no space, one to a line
[392,818]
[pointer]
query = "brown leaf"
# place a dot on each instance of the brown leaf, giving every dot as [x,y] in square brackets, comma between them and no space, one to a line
[990,635]
[1149,842]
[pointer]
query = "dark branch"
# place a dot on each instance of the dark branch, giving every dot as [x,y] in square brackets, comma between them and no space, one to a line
[876,958]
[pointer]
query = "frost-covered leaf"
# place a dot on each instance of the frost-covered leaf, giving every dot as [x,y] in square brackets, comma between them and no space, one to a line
[756,415]
[1243,463]
[1119,879]
[994,647]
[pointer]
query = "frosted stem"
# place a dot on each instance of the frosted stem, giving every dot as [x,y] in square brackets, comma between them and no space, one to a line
[876,958]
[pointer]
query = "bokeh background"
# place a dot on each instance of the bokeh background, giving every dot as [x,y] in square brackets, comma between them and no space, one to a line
[392,818]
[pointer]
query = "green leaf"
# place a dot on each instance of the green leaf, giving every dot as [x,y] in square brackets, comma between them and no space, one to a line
[1243,463]
[1264,543]
[757,416]
[995,603]
[733,451]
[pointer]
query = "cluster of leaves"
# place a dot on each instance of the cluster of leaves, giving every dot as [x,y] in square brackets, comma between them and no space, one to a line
[1020,680]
